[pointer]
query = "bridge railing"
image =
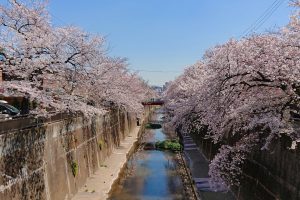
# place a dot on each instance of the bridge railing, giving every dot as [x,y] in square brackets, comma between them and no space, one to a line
[153,102]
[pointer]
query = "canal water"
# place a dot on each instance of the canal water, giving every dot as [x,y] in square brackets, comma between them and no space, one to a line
[149,174]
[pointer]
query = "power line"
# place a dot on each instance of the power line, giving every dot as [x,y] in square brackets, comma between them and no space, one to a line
[260,17]
[263,17]
[269,15]
[58,19]
[155,71]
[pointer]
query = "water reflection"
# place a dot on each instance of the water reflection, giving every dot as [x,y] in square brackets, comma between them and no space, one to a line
[149,174]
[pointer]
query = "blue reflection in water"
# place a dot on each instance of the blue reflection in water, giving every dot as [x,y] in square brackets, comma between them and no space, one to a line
[150,175]
[153,177]
[158,136]
[156,183]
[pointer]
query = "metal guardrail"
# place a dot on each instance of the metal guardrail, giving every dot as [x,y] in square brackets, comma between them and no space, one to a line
[22,122]
[153,102]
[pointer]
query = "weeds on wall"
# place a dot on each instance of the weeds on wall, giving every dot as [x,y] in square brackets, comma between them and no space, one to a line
[100,144]
[74,167]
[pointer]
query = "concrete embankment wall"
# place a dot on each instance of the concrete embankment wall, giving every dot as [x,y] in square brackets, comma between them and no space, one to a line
[267,175]
[52,159]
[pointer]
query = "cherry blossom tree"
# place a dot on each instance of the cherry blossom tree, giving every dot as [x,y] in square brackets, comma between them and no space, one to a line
[76,53]
[62,68]
[244,92]
[25,35]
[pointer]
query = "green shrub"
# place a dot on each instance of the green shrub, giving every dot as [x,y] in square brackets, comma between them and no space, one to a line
[172,145]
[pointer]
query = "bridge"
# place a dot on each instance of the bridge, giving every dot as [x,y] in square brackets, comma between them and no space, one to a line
[153,102]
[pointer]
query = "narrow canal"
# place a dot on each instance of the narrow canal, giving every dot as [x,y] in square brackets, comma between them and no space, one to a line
[149,174]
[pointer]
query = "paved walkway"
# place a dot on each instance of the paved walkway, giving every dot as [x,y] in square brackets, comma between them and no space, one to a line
[99,184]
[199,169]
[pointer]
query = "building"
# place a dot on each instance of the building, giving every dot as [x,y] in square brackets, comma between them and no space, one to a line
[157,89]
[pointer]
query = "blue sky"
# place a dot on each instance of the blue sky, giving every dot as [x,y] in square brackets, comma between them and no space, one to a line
[164,35]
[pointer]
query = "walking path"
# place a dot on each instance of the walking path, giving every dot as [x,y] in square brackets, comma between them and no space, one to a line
[198,166]
[99,184]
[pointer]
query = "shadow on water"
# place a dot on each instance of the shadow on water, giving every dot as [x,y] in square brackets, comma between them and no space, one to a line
[149,174]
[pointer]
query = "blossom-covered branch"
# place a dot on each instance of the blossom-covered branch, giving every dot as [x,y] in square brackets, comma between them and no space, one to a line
[62,68]
[243,93]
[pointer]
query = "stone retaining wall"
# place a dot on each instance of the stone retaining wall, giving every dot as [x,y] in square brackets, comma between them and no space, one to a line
[267,175]
[53,159]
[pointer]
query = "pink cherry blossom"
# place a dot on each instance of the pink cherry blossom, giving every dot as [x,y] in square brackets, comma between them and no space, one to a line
[243,93]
